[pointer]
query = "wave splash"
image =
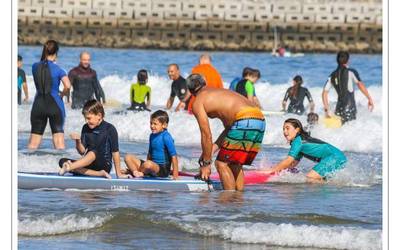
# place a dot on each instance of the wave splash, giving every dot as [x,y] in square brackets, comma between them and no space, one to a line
[53,225]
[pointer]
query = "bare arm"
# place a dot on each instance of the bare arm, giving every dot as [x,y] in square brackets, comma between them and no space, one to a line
[288,162]
[182,103]
[206,140]
[312,106]
[325,102]
[117,165]
[148,102]
[217,144]
[175,169]
[284,105]
[67,86]
[257,102]
[364,90]
[78,143]
[206,137]
[25,87]
[170,102]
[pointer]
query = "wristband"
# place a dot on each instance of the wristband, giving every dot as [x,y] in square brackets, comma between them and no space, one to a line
[204,163]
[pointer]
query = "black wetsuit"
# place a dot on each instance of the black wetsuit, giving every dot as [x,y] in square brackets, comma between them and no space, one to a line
[21,80]
[179,89]
[245,88]
[342,79]
[85,86]
[47,103]
[102,141]
[296,105]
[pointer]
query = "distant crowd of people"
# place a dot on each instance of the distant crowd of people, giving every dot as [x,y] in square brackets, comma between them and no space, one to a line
[202,94]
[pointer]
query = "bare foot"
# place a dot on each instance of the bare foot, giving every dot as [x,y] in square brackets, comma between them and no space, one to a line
[105,174]
[65,168]
[138,174]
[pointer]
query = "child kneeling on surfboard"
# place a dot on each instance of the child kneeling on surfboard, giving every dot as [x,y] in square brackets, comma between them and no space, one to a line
[161,151]
[98,144]
[329,158]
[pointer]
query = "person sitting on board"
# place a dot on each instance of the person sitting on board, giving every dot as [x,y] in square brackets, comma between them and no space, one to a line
[296,95]
[140,94]
[241,140]
[342,80]
[245,87]
[161,151]
[98,144]
[330,159]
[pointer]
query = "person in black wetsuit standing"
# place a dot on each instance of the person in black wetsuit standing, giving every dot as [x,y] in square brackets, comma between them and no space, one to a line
[178,89]
[48,104]
[84,82]
[296,95]
[342,80]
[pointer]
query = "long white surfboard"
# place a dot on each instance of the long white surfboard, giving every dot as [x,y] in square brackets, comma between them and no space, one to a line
[269,112]
[51,181]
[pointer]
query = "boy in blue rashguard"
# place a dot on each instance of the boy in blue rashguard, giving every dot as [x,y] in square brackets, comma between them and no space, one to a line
[161,152]
[329,158]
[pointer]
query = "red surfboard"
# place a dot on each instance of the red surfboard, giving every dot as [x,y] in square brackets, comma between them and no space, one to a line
[251,177]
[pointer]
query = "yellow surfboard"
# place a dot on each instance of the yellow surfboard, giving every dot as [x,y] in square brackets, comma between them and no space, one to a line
[332,122]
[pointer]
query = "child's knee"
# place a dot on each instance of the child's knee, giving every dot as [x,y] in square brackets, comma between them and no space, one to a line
[147,165]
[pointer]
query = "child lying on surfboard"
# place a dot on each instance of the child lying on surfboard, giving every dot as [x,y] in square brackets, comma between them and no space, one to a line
[161,151]
[98,144]
[329,158]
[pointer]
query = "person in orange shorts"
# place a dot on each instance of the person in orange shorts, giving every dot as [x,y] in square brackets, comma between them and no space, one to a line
[210,74]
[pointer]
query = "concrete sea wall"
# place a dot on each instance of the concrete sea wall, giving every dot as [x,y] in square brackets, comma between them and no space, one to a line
[301,25]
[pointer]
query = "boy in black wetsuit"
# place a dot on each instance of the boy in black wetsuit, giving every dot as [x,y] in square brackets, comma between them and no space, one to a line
[98,144]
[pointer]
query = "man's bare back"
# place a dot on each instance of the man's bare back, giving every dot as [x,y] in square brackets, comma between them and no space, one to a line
[220,103]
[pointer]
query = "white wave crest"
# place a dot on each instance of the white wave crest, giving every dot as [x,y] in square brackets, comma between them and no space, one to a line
[290,235]
[52,225]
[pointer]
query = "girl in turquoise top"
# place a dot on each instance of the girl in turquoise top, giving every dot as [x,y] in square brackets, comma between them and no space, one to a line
[329,158]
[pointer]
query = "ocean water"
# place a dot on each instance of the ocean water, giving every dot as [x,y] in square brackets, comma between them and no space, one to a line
[285,213]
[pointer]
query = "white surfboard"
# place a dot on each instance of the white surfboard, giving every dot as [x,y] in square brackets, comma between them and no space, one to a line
[51,181]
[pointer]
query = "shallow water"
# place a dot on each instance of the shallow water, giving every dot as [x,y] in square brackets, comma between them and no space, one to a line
[286,213]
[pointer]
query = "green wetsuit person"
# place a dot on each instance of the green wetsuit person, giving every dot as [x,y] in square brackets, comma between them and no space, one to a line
[140,93]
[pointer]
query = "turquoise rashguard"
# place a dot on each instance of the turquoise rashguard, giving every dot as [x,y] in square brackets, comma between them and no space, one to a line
[329,158]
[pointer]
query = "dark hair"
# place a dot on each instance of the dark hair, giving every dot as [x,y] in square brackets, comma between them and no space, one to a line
[142,76]
[295,89]
[312,118]
[195,82]
[161,116]
[93,107]
[255,73]
[246,71]
[49,48]
[19,58]
[342,57]
[297,124]
[174,64]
